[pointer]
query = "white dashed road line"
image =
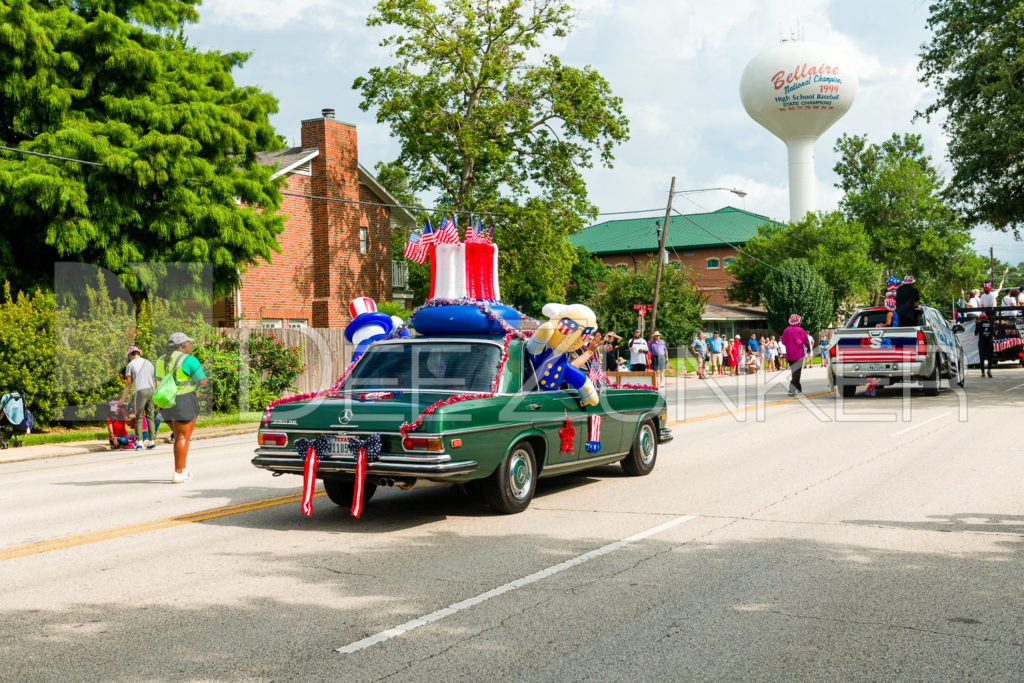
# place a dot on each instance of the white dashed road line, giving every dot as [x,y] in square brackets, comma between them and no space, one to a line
[510,586]
[922,424]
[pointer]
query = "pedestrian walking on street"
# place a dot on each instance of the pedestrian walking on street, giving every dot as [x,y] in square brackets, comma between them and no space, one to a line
[983,330]
[795,341]
[141,382]
[700,352]
[188,375]
[659,357]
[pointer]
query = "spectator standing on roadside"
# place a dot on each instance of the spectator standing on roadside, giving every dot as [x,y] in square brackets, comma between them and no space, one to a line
[637,353]
[659,357]
[983,330]
[716,345]
[611,351]
[141,382]
[907,301]
[182,416]
[700,352]
[735,351]
[824,352]
[795,341]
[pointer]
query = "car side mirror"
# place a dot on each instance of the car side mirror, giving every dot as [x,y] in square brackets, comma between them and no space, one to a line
[958,328]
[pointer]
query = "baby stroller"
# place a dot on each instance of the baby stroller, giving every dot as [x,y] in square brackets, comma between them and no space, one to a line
[14,420]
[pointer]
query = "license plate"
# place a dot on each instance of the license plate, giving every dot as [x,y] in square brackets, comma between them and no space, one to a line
[876,366]
[340,445]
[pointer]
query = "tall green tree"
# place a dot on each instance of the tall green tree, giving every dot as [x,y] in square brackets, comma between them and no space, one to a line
[172,139]
[680,302]
[796,287]
[488,124]
[837,249]
[975,62]
[586,274]
[895,192]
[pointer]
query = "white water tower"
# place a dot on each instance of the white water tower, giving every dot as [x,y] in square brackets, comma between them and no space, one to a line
[797,91]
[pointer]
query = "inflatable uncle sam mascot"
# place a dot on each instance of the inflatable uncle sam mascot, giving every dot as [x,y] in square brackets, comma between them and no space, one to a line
[367,326]
[569,328]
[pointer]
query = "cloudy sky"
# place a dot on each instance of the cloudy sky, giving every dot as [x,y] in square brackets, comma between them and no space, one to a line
[676,65]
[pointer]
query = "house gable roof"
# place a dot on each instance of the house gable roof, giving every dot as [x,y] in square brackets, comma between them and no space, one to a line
[292,159]
[727,224]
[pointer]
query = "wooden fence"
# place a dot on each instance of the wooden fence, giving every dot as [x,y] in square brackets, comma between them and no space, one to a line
[325,351]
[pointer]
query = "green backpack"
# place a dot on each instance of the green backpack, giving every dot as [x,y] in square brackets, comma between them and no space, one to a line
[166,393]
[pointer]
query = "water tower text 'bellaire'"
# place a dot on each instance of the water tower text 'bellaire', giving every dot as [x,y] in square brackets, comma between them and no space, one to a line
[797,91]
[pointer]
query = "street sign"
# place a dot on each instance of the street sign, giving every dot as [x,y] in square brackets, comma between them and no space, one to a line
[642,307]
[642,312]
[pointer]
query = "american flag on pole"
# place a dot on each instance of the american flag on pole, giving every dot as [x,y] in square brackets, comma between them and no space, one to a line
[475,233]
[447,233]
[415,248]
[489,235]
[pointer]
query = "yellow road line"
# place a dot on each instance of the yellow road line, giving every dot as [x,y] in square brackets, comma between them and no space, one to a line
[724,413]
[56,544]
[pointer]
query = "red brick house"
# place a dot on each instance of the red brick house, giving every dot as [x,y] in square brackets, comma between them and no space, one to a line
[332,250]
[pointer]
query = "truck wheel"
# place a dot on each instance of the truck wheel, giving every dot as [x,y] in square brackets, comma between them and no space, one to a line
[340,491]
[849,390]
[934,383]
[510,488]
[644,452]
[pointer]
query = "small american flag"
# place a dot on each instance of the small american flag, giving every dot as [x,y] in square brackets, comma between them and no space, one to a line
[489,235]
[448,233]
[415,248]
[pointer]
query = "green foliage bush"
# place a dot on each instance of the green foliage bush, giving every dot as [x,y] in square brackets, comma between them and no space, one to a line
[268,370]
[26,351]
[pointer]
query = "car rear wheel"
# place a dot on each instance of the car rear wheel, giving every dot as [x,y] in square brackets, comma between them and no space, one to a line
[933,384]
[644,452]
[510,488]
[340,491]
[849,390]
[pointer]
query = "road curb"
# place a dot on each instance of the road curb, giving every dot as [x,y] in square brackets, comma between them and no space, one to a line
[60,450]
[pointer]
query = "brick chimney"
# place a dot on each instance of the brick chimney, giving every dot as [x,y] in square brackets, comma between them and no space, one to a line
[335,173]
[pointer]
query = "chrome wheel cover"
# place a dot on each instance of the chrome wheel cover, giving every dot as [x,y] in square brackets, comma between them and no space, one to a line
[648,445]
[520,474]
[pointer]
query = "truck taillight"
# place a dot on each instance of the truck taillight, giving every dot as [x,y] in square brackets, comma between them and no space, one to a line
[922,346]
[419,443]
[269,439]
[832,351]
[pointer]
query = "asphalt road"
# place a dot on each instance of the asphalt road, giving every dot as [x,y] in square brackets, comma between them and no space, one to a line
[779,539]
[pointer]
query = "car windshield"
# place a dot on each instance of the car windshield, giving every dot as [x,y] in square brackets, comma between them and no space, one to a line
[462,367]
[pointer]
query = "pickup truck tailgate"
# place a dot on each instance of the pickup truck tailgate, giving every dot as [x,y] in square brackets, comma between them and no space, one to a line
[878,345]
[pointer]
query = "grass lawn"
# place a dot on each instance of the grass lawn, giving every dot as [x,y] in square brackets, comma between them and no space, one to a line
[58,435]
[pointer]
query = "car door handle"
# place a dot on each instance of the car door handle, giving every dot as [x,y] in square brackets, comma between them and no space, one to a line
[534,406]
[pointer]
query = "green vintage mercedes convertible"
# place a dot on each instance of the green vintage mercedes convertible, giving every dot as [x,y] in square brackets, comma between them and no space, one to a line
[504,441]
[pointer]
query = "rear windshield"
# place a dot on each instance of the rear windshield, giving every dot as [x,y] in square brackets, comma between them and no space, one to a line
[462,367]
[876,317]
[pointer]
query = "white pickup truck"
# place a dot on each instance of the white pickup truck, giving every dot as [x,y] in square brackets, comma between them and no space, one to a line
[926,352]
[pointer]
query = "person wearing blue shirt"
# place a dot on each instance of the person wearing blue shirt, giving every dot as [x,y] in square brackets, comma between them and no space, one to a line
[752,343]
[716,345]
[700,351]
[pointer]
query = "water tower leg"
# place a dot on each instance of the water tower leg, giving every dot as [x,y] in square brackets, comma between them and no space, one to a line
[801,177]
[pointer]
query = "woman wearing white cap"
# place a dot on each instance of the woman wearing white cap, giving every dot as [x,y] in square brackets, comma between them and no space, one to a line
[182,416]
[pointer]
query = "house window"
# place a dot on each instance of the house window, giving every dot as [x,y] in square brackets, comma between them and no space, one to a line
[729,261]
[688,252]
[362,240]
[622,267]
[296,324]
[713,264]
[270,324]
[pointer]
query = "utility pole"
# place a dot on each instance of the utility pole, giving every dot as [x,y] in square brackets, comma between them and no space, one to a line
[991,264]
[661,255]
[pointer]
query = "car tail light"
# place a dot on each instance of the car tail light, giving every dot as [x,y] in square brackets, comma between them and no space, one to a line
[922,346]
[832,350]
[421,443]
[265,439]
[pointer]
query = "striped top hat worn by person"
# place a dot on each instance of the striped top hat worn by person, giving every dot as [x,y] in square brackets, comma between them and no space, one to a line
[987,286]
[794,319]
[892,283]
[908,280]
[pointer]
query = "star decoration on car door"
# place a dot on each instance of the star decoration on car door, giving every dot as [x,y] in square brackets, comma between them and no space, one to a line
[568,434]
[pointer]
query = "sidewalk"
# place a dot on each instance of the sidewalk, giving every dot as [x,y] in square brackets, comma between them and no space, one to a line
[59,450]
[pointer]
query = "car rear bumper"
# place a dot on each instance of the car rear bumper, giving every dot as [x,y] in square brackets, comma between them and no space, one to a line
[429,467]
[888,373]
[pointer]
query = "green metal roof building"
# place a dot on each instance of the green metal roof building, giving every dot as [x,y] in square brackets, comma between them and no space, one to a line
[719,228]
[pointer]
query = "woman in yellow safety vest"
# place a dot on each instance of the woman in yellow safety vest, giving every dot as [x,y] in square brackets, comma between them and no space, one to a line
[183,414]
